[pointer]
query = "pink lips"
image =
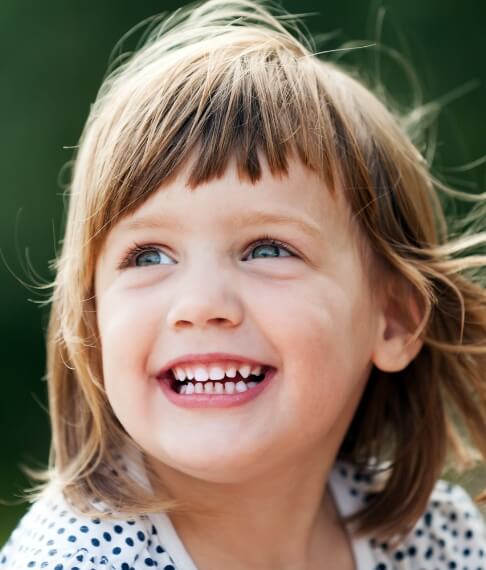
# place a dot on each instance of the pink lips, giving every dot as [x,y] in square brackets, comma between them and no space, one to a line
[214,400]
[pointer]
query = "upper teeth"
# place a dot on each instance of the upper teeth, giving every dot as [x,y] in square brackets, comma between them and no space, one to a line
[202,372]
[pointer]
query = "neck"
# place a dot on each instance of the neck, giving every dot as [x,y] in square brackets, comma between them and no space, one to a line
[287,523]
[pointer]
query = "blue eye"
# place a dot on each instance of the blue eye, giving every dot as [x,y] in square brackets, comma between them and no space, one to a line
[148,257]
[142,256]
[270,247]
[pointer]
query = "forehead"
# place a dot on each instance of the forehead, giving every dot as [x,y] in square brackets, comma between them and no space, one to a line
[299,200]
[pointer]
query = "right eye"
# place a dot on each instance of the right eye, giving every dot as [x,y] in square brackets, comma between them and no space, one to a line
[148,257]
[142,256]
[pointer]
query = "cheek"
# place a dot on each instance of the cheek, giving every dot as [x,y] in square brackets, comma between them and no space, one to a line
[322,333]
[314,323]
[128,330]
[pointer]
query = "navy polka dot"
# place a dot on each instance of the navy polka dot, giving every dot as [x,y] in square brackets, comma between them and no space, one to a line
[449,535]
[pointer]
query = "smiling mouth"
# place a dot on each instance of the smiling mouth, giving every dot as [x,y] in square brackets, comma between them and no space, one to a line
[224,386]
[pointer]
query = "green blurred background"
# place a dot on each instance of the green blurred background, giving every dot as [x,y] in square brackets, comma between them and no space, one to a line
[53,57]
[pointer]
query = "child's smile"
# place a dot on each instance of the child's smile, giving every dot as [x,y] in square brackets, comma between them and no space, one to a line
[214,380]
[214,271]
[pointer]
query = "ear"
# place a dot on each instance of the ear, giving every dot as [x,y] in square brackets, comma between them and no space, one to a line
[395,345]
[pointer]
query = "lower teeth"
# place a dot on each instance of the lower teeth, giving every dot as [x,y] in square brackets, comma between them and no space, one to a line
[214,387]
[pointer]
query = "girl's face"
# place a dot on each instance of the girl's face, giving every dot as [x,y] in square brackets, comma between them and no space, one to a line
[207,284]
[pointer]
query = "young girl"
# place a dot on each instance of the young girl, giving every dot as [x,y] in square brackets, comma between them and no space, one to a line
[263,347]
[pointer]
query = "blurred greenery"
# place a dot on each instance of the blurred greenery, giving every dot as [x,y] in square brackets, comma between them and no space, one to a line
[54,55]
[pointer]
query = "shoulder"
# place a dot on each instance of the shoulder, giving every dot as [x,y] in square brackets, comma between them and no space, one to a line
[451,533]
[53,536]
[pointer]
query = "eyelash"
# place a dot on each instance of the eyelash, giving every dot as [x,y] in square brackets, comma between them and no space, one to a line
[137,248]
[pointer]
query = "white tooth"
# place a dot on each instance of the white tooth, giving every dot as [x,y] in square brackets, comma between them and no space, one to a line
[190,388]
[175,372]
[180,374]
[201,374]
[216,372]
[183,389]
[231,371]
[245,370]
[198,388]
[208,387]
[241,386]
[252,384]
[189,373]
[229,387]
[257,370]
[218,387]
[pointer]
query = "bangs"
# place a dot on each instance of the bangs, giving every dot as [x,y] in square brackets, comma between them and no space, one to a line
[207,110]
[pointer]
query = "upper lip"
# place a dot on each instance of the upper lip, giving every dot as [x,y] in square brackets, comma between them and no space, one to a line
[209,357]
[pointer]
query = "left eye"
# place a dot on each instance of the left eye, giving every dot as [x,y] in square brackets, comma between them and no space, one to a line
[270,247]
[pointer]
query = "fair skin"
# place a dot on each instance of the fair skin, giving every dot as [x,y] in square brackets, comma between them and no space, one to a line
[310,314]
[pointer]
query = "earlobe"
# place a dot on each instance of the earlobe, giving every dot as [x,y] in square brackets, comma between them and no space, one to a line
[395,345]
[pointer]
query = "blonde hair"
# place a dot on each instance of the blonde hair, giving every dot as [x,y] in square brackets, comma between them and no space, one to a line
[231,79]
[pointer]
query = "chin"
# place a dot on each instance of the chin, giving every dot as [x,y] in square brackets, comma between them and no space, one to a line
[222,465]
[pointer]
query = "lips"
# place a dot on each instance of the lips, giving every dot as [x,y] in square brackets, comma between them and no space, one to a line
[216,400]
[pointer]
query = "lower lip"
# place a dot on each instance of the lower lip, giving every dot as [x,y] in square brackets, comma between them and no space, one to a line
[215,400]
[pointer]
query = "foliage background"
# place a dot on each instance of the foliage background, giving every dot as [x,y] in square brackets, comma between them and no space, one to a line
[54,55]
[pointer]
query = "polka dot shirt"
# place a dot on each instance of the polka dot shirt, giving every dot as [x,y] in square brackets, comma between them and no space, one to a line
[451,534]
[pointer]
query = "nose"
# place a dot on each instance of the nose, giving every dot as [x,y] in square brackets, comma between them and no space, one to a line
[203,298]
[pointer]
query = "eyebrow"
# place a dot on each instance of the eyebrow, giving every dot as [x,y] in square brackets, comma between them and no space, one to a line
[246,219]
